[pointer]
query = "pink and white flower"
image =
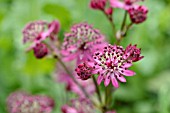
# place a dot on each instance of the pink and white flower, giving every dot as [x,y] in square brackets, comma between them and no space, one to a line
[111,64]
[37,32]
[81,43]
[21,102]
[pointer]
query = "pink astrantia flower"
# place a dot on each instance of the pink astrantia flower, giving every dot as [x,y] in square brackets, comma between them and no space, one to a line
[111,65]
[81,42]
[37,31]
[33,30]
[138,14]
[81,105]
[98,4]
[132,53]
[126,4]
[19,102]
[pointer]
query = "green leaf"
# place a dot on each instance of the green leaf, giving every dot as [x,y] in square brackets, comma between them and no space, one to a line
[59,12]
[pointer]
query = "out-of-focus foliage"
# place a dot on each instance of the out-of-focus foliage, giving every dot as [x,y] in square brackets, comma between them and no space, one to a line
[147,92]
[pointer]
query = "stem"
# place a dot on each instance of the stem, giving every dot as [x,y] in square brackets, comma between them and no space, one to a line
[64,66]
[127,29]
[124,21]
[97,89]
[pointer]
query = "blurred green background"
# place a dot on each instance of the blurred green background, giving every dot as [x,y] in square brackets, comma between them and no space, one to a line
[147,92]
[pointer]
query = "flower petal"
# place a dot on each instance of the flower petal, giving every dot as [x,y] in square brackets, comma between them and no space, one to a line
[121,78]
[107,80]
[71,57]
[128,72]
[99,79]
[114,81]
[127,65]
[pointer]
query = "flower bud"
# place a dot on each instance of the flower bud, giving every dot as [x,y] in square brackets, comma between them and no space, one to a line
[40,50]
[109,11]
[84,71]
[138,14]
[98,4]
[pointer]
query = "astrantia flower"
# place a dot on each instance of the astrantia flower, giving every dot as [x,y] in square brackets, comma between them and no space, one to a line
[138,14]
[19,102]
[33,30]
[111,65]
[98,4]
[132,53]
[38,31]
[126,4]
[81,42]
[81,105]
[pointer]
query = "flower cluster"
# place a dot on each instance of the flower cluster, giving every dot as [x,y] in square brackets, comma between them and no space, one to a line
[21,102]
[37,32]
[81,42]
[89,55]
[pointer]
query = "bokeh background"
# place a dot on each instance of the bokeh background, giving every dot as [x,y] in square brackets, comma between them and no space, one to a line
[147,92]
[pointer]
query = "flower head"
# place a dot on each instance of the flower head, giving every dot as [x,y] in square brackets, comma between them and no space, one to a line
[111,65]
[132,53]
[98,4]
[20,102]
[81,42]
[33,30]
[38,31]
[138,14]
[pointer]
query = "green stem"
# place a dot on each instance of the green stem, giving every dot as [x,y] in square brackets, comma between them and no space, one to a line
[127,29]
[97,89]
[124,21]
[108,98]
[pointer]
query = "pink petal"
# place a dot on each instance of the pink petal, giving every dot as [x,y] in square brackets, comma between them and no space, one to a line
[117,4]
[114,81]
[121,78]
[71,57]
[107,80]
[99,79]
[128,73]
[127,65]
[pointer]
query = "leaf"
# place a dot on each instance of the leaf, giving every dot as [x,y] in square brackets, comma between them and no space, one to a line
[58,12]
